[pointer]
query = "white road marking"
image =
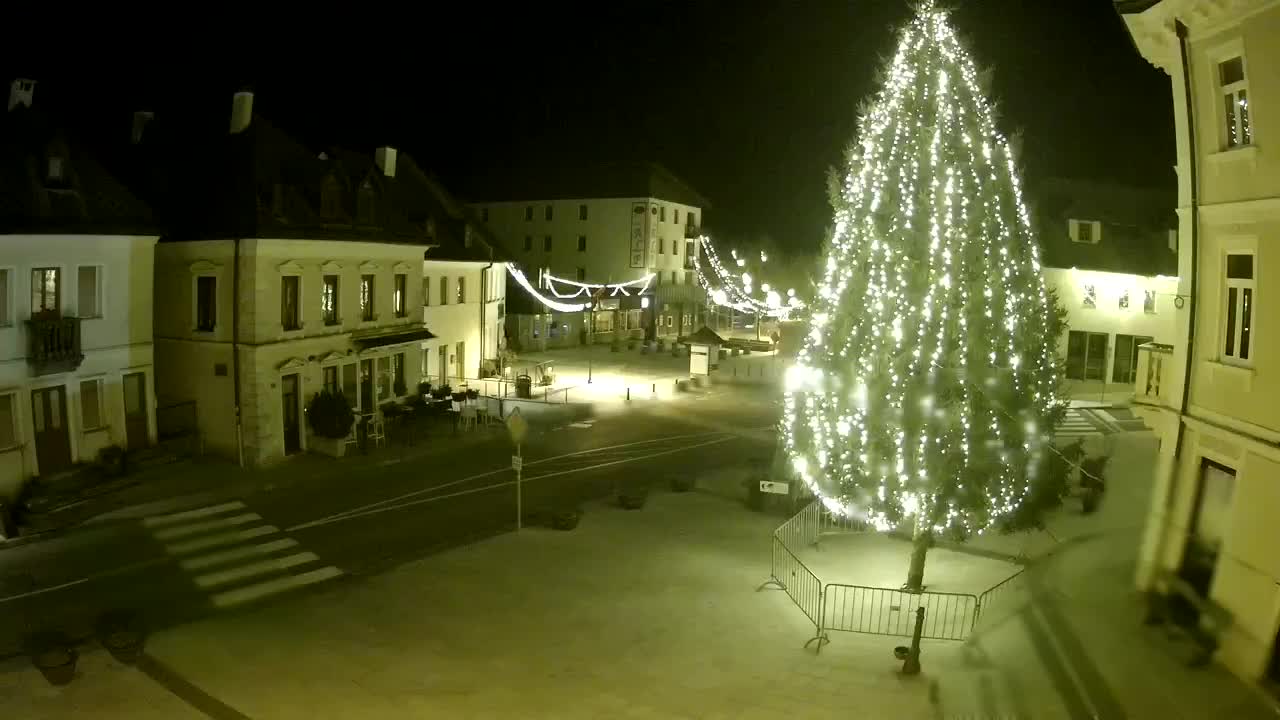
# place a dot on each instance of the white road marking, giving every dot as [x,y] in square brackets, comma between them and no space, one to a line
[231,598]
[226,556]
[173,533]
[222,577]
[158,520]
[220,539]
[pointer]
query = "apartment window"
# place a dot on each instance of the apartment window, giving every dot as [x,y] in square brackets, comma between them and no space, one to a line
[400,296]
[1123,303]
[484,214]
[546,243]
[675,216]
[675,247]
[1238,326]
[289,315]
[206,303]
[528,213]
[462,290]
[693,219]
[91,404]
[384,378]
[6,317]
[8,421]
[444,290]
[351,384]
[1090,296]
[329,300]
[673,277]
[1125,368]
[662,214]
[528,243]
[582,212]
[1235,101]
[426,291]
[582,243]
[366,298]
[688,253]
[1149,302]
[546,213]
[46,290]
[582,274]
[329,375]
[1086,355]
[397,373]
[89,291]
[662,246]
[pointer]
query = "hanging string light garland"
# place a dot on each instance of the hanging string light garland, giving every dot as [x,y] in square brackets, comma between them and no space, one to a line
[735,290]
[583,290]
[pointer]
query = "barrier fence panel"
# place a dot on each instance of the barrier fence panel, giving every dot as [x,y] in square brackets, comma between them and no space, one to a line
[1003,598]
[881,611]
[802,529]
[800,584]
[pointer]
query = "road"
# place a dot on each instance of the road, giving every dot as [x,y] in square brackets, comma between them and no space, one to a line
[307,532]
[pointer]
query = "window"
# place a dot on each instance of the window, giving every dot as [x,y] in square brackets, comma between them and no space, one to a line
[528,213]
[662,214]
[351,385]
[397,374]
[55,168]
[582,212]
[1238,326]
[582,274]
[528,243]
[1235,102]
[8,421]
[90,405]
[673,277]
[1149,302]
[1084,233]
[1123,304]
[444,290]
[675,247]
[546,213]
[1125,368]
[462,290]
[1086,355]
[688,253]
[1088,232]
[693,219]
[1090,296]
[546,243]
[662,246]
[484,214]
[399,297]
[6,317]
[675,216]
[330,378]
[1211,518]
[329,300]
[289,316]
[46,290]
[89,291]
[384,378]
[206,303]
[426,291]
[366,298]
[582,243]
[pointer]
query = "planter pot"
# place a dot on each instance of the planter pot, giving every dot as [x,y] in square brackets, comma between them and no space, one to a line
[662,345]
[675,351]
[682,483]
[565,519]
[333,447]
[644,349]
[631,344]
[124,644]
[632,499]
[57,664]
[901,652]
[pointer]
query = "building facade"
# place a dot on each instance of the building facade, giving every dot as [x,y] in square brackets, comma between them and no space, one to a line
[1110,254]
[603,224]
[76,359]
[1216,500]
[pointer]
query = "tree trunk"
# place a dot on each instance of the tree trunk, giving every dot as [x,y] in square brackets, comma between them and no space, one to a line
[919,547]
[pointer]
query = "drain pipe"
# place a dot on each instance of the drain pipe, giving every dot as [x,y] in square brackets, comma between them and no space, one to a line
[485,272]
[235,349]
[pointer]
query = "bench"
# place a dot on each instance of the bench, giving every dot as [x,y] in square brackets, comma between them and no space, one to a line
[1181,609]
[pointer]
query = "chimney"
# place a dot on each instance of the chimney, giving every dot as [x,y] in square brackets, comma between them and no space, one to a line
[140,120]
[241,111]
[20,92]
[386,159]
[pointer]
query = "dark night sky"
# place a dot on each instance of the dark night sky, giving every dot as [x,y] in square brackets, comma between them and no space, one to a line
[750,101]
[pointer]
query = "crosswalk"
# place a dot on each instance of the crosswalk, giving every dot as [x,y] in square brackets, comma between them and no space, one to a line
[1078,424]
[233,555]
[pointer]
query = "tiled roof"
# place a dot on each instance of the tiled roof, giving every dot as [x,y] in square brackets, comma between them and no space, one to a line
[599,180]
[1135,226]
[86,199]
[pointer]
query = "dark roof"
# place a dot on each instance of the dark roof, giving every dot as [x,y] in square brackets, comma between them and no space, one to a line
[704,336]
[598,180]
[453,219]
[1127,7]
[86,199]
[1135,226]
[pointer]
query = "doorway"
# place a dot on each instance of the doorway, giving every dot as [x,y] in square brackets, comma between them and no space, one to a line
[289,413]
[135,410]
[1125,367]
[460,361]
[1086,355]
[49,421]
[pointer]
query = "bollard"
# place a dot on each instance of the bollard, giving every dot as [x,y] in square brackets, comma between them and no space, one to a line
[911,666]
[628,394]
[735,371]
[654,389]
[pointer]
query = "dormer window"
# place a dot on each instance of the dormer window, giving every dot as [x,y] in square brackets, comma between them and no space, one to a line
[55,168]
[1088,232]
[331,199]
[366,204]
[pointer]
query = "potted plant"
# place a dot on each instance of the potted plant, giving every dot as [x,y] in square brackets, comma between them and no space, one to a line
[472,394]
[122,636]
[55,657]
[111,459]
[662,344]
[566,518]
[330,417]
[633,496]
[442,392]
[424,389]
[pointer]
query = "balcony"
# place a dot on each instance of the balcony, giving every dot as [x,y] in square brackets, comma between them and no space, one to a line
[1155,377]
[53,344]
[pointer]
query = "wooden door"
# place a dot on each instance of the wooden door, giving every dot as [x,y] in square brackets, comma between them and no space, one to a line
[49,422]
[135,410]
[289,414]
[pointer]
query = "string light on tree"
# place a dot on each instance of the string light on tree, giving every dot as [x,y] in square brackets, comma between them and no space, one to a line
[928,377]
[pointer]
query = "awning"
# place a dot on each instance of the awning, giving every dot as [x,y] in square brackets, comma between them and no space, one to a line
[392,337]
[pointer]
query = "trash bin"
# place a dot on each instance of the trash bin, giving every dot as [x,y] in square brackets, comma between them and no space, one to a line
[524,386]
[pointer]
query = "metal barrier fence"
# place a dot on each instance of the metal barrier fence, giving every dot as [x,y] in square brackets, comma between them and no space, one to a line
[1000,595]
[804,588]
[881,611]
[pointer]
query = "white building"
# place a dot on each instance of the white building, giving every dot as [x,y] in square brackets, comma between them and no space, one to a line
[1212,523]
[75,304]
[1110,254]
[601,224]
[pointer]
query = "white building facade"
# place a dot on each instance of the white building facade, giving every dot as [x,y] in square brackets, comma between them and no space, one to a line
[1212,523]
[464,307]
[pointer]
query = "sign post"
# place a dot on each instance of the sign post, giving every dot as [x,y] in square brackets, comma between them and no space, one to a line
[518,427]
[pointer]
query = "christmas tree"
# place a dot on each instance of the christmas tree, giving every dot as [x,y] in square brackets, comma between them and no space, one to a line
[926,393]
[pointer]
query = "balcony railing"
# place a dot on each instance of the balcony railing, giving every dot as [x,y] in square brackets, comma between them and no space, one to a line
[1154,377]
[53,344]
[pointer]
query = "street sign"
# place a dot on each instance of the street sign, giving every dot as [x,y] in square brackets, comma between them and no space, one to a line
[517,426]
[777,488]
[517,463]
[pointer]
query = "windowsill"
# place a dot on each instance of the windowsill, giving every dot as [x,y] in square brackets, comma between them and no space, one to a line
[1244,152]
[1239,372]
[204,333]
[99,429]
[89,317]
[11,448]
